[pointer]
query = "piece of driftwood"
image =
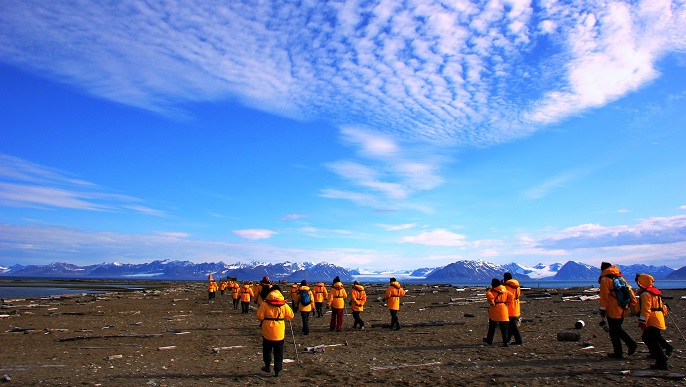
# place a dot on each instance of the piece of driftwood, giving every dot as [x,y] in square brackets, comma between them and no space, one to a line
[379,368]
[125,335]
[24,330]
[218,349]
[422,324]
[167,348]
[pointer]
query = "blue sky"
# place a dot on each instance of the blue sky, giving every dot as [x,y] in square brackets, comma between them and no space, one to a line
[373,134]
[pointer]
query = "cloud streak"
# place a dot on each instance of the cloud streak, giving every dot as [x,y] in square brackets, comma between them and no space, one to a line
[460,74]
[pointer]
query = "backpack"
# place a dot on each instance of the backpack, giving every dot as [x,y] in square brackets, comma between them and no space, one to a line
[305,298]
[622,292]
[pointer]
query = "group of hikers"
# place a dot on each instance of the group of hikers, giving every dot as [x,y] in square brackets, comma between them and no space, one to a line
[617,300]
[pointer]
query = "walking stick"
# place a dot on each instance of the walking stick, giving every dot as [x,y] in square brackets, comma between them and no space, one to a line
[297,358]
[677,326]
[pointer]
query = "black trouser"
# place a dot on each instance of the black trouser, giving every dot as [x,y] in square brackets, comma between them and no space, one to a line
[653,339]
[394,319]
[513,330]
[245,307]
[358,320]
[211,295]
[222,292]
[491,330]
[618,334]
[306,322]
[318,307]
[235,303]
[277,347]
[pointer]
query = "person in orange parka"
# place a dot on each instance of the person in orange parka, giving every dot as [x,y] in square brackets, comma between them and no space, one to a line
[615,314]
[222,287]
[320,294]
[392,297]
[272,314]
[212,290]
[235,293]
[498,297]
[261,290]
[305,310]
[358,299]
[337,297]
[291,294]
[513,309]
[652,321]
[246,295]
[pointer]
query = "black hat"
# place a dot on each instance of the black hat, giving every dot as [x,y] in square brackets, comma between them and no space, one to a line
[356,282]
[605,265]
[303,283]
[507,276]
[495,282]
[392,279]
[336,280]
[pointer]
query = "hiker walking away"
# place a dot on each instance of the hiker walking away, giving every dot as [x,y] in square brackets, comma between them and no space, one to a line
[246,295]
[303,299]
[222,287]
[235,293]
[358,297]
[272,314]
[262,290]
[212,290]
[292,293]
[513,309]
[337,297]
[320,294]
[392,298]
[615,290]
[498,297]
[652,321]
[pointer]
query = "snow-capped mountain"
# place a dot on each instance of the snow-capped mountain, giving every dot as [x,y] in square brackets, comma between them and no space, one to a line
[534,272]
[470,271]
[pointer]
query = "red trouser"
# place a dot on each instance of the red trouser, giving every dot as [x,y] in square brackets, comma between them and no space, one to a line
[336,319]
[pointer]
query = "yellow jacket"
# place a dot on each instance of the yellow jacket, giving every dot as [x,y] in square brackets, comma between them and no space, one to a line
[320,292]
[296,299]
[258,290]
[359,298]
[608,299]
[273,313]
[652,309]
[212,287]
[294,290]
[235,291]
[498,298]
[223,285]
[246,293]
[393,294]
[513,308]
[337,296]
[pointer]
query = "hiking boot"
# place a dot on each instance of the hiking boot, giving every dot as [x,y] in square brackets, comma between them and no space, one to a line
[632,349]
[266,368]
[506,345]
[276,373]
[659,367]
[615,356]
[485,340]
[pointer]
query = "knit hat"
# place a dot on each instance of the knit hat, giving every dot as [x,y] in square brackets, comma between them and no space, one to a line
[336,280]
[265,279]
[605,265]
[495,282]
[392,279]
[303,283]
[356,282]
[507,276]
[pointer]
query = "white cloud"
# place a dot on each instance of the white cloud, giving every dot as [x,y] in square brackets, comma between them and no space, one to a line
[552,184]
[438,237]
[293,216]
[406,226]
[423,70]
[254,233]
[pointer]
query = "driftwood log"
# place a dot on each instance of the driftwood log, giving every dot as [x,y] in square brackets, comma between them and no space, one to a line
[422,324]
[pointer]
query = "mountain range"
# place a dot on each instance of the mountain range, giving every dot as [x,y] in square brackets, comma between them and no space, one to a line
[464,270]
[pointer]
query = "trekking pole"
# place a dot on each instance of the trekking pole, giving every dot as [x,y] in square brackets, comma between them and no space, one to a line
[297,358]
[676,325]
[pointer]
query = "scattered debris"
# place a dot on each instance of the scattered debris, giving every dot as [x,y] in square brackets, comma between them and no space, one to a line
[403,366]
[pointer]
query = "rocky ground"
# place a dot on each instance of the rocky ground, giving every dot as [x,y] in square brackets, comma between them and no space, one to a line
[175,337]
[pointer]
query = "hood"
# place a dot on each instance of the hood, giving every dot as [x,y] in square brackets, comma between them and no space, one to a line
[319,284]
[499,288]
[646,282]
[247,286]
[304,288]
[338,285]
[358,287]
[275,298]
[396,284]
[612,271]
[512,282]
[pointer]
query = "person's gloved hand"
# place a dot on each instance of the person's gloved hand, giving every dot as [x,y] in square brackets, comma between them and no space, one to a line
[643,325]
[603,313]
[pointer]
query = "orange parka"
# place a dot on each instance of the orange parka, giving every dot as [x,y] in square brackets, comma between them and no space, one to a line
[652,309]
[513,308]
[212,287]
[223,285]
[258,290]
[273,312]
[608,298]
[235,290]
[246,293]
[296,299]
[359,298]
[498,298]
[294,290]
[337,296]
[393,294]
[320,292]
